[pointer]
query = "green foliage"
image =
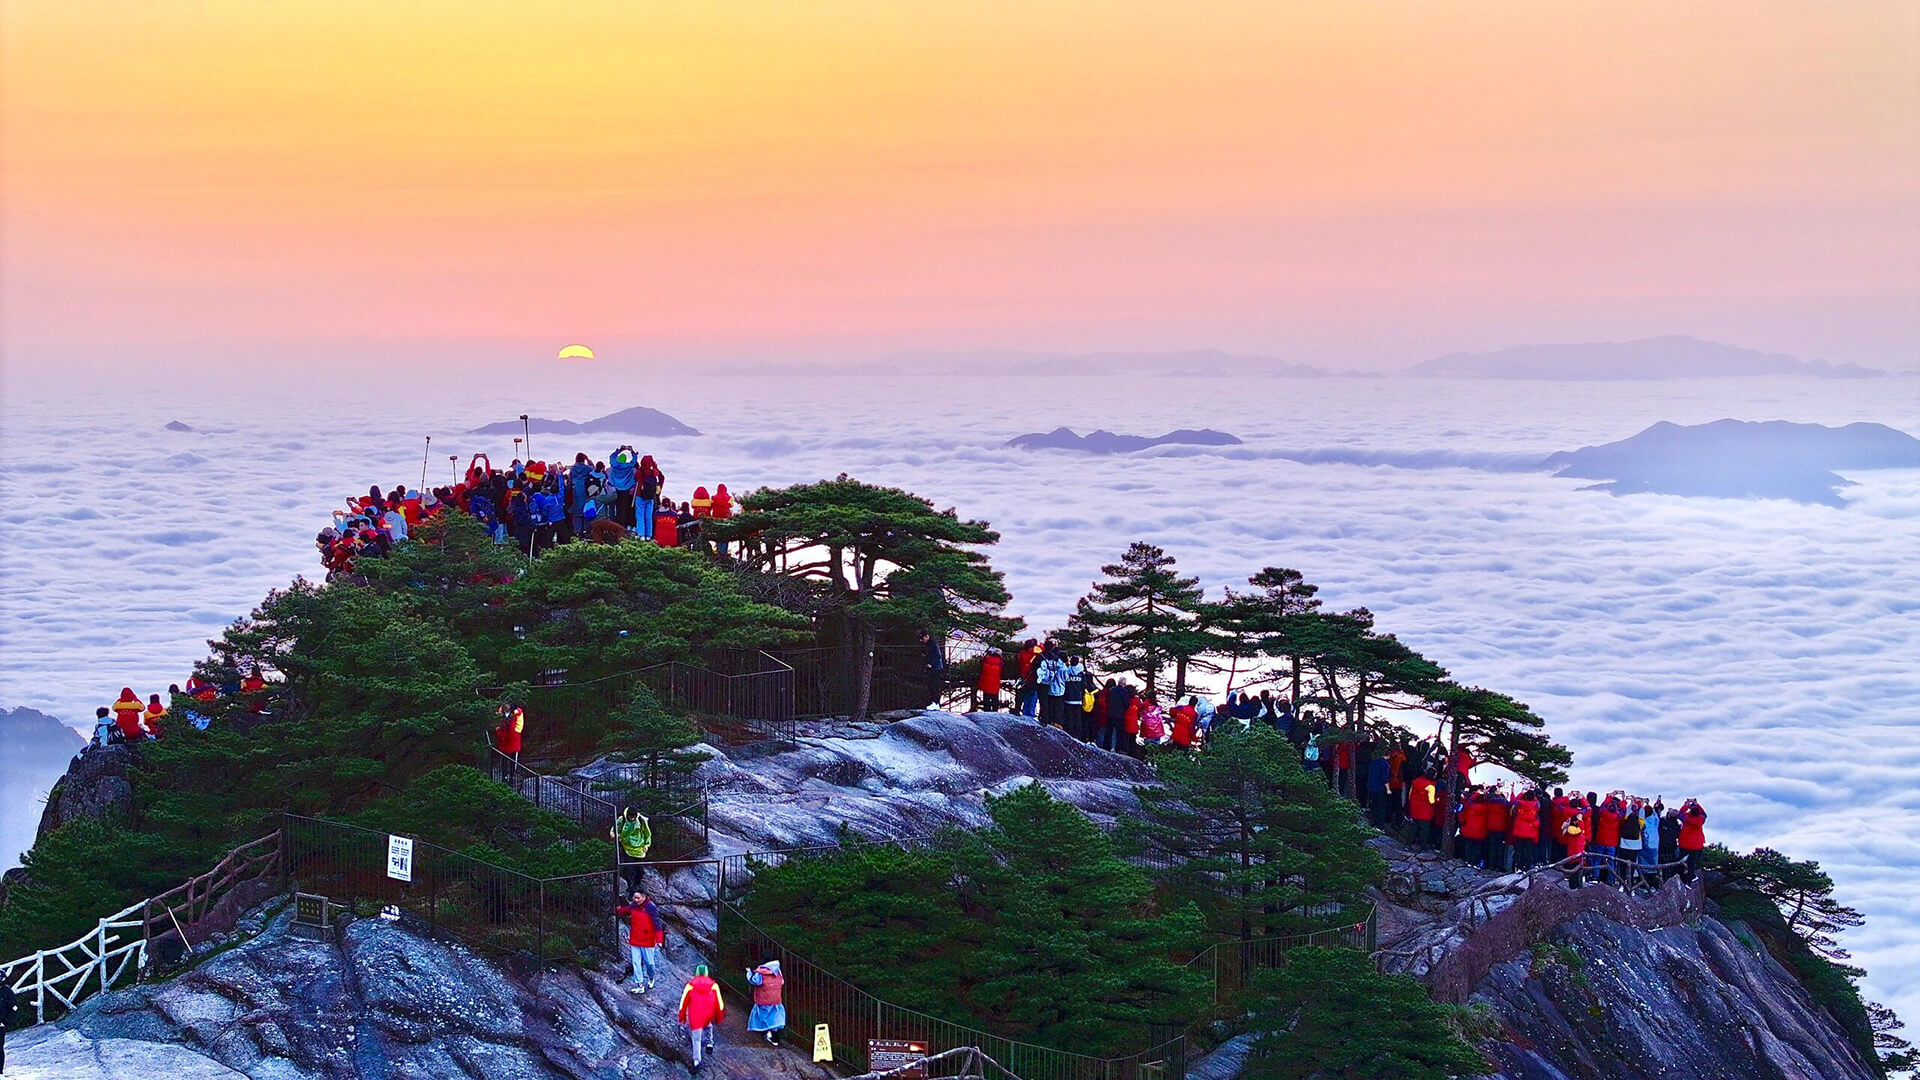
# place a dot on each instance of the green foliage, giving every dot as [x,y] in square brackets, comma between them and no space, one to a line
[1328,1013]
[453,573]
[1496,728]
[881,557]
[1143,616]
[1789,904]
[81,871]
[1251,625]
[373,695]
[1033,927]
[457,807]
[597,609]
[640,732]
[1256,838]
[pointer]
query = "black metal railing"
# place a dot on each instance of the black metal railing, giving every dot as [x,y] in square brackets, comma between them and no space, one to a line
[814,995]
[449,893]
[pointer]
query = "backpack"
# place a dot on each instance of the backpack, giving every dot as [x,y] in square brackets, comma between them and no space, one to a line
[1313,750]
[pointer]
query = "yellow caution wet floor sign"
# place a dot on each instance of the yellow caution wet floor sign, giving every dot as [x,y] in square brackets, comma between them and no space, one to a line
[822,1043]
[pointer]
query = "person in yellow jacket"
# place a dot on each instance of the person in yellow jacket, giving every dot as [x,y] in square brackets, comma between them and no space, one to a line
[151,717]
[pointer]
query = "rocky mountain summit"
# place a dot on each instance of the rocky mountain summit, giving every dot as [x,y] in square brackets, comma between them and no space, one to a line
[1572,985]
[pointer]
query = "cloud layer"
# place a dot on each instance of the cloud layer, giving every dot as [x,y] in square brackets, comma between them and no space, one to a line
[1756,654]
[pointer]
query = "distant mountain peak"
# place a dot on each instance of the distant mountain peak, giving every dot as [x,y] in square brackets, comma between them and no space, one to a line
[1670,356]
[639,420]
[1730,458]
[1103,441]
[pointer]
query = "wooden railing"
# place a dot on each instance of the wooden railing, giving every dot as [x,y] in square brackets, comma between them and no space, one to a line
[209,903]
[121,945]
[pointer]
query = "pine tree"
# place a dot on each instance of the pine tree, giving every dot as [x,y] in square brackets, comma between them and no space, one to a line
[1328,1012]
[1080,954]
[1255,838]
[1256,623]
[1142,618]
[1493,727]
[883,557]
[1799,888]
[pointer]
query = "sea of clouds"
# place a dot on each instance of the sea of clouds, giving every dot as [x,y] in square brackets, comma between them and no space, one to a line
[1758,654]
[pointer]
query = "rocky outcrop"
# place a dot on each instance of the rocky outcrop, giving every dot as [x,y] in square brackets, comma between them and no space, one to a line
[96,785]
[1507,915]
[387,1001]
[904,777]
[384,1001]
[1593,984]
[1605,1001]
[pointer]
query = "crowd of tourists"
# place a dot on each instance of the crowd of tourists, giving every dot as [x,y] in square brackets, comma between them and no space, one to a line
[129,719]
[1403,784]
[533,505]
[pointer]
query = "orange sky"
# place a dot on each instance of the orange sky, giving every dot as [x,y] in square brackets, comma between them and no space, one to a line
[1325,181]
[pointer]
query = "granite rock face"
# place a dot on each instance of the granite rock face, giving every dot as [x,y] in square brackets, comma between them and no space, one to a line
[96,785]
[1692,1002]
[386,1001]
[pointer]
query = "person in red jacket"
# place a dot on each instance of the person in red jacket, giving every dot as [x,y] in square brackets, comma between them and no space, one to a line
[1186,718]
[1130,728]
[127,711]
[506,738]
[701,1009]
[1525,831]
[666,526]
[721,511]
[1499,816]
[1573,837]
[1558,811]
[1693,835]
[1421,807]
[646,937]
[1473,827]
[255,687]
[1605,846]
[986,689]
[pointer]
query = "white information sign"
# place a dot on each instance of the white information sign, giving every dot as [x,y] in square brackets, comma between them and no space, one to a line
[400,858]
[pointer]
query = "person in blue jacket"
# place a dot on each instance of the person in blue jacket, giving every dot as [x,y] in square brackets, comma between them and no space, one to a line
[581,480]
[1378,772]
[623,476]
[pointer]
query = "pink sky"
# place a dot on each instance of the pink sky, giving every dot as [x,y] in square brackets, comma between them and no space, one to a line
[1351,184]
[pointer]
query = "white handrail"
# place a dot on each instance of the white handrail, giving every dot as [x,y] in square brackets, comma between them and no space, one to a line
[98,950]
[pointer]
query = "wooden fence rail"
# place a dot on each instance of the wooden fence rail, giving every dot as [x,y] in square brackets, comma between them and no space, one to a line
[121,945]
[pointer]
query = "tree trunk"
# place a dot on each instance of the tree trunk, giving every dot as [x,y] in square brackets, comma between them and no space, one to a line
[1179,678]
[1446,805]
[1296,686]
[863,680]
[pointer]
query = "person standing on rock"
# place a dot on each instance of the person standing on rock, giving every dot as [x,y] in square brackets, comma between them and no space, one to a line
[1629,847]
[646,938]
[701,1009]
[1693,835]
[769,1015]
[1573,837]
[1524,832]
[986,689]
[1076,713]
[1423,808]
[1649,846]
[935,655]
[1027,661]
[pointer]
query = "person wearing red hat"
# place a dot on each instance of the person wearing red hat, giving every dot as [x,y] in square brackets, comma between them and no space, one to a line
[127,711]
